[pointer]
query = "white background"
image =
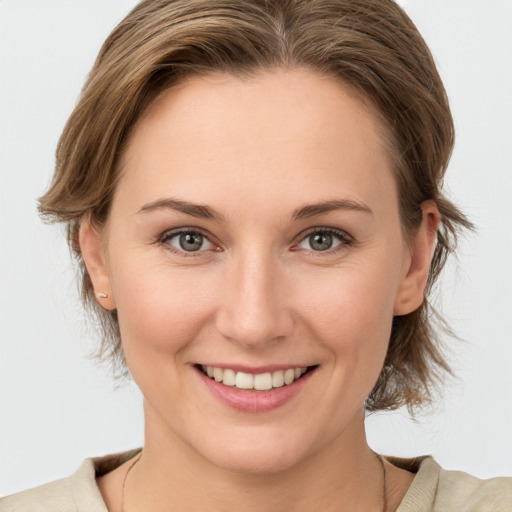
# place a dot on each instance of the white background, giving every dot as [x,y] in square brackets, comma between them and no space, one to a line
[56,407]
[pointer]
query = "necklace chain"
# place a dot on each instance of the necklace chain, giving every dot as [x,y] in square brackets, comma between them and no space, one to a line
[379,457]
[384,483]
[132,465]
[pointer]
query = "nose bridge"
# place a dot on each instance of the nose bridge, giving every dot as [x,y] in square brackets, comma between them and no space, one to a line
[254,308]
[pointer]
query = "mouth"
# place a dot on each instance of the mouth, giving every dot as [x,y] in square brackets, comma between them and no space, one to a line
[255,381]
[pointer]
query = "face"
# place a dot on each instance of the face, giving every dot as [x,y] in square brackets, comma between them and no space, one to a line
[255,236]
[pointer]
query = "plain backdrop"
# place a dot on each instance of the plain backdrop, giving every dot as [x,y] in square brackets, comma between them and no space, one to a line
[57,407]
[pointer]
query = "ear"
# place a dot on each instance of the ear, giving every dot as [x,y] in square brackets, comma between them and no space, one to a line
[93,253]
[411,292]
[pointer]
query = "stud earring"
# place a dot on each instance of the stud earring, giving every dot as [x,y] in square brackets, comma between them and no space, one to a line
[102,295]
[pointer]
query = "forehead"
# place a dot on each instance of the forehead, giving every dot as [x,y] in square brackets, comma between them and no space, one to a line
[282,130]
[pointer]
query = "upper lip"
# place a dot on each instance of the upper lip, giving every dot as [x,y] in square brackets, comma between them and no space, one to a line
[255,369]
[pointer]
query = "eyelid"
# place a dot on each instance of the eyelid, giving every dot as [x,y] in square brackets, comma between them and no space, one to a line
[346,239]
[171,233]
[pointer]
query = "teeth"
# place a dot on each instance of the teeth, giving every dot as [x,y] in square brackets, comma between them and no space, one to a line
[289,376]
[244,380]
[229,378]
[278,379]
[263,381]
[260,382]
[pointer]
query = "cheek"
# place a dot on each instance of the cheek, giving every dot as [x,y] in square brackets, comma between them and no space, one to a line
[351,314]
[357,300]
[160,311]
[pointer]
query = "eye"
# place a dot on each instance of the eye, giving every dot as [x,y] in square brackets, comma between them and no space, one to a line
[187,241]
[324,239]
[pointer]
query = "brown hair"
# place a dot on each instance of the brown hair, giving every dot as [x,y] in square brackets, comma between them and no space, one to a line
[371,46]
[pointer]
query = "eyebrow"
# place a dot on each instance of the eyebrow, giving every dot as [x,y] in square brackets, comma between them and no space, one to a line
[205,212]
[196,210]
[312,210]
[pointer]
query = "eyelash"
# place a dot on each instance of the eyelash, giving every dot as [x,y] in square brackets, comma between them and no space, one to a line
[345,241]
[168,235]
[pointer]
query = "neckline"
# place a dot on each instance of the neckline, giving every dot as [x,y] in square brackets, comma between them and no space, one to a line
[423,486]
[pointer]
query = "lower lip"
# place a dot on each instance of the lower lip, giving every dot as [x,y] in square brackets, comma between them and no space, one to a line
[252,400]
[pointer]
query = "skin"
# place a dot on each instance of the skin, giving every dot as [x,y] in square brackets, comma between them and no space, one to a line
[257,292]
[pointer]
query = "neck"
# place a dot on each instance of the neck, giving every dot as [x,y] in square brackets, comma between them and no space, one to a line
[343,474]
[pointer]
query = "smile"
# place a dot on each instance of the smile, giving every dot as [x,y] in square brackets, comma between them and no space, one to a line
[248,381]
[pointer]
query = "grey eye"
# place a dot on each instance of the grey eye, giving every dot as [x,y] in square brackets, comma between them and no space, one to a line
[320,241]
[189,241]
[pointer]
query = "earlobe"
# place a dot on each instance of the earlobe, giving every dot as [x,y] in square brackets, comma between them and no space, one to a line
[411,292]
[92,249]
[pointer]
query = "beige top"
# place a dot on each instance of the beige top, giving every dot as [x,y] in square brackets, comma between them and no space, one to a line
[433,490]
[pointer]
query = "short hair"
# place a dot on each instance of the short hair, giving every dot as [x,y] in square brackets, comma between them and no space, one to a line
[371,47]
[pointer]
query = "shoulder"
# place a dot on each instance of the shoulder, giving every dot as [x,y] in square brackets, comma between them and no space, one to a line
[55,496]
[77,493]
[473,494]
[435,489]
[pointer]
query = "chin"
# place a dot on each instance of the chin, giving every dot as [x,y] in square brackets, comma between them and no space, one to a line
[255,463]
[256,455]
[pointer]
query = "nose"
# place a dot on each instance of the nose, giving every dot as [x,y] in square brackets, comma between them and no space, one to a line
[254,311]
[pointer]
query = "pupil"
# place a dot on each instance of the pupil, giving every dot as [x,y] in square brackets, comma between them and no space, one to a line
[191,241]
[321,241]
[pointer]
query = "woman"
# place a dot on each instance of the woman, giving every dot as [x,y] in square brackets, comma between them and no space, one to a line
[253,192]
